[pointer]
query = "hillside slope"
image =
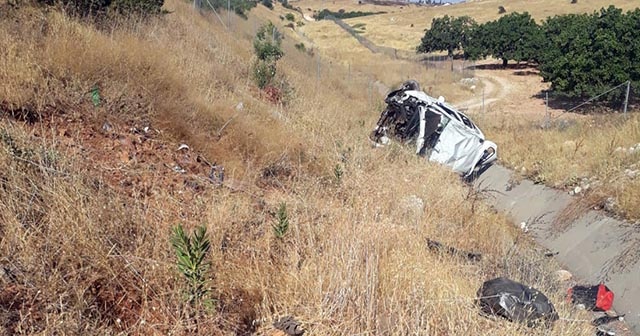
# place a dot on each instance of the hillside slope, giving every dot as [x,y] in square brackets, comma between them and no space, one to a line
[94,177]
[402,27]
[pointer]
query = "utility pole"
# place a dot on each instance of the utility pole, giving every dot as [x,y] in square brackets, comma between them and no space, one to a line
[626,98]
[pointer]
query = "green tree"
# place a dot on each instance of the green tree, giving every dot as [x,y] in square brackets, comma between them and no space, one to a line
[268,3]
[446,34]
[515,36]
[588,54]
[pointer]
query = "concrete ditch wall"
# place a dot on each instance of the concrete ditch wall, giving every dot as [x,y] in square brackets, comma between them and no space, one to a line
[594,247]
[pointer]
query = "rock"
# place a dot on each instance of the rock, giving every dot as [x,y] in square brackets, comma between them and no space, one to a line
[524,227]
[610,204]
[413,204]
[569,146]
[240,106]
[563,275]
[631,174]
[107,127]
[577,190]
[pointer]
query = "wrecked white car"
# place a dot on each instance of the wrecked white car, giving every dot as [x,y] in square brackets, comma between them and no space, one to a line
[440,132]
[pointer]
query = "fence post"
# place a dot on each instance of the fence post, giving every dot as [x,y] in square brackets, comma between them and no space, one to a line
[318,72]
[370,93]
[483,100]
[626,98]
[547,117]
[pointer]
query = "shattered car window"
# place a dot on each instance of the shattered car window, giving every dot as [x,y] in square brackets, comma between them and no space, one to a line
[439,131]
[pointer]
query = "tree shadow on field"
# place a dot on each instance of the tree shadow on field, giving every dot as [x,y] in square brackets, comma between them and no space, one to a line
[573,105]
[498,66]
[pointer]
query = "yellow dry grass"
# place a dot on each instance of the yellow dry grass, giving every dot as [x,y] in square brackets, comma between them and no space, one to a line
[578,151]
[80,256]
[403,28]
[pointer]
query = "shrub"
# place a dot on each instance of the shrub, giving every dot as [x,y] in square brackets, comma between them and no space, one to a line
[281,226]
[290,17]
[140,7]
[268,4]
[263,73]
[300,47]
[266,44]
[101,7]
[299,23]
[326,14]
[240,7]
[501,10]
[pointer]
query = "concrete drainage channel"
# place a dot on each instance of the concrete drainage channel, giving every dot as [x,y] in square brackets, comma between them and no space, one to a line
[594,247]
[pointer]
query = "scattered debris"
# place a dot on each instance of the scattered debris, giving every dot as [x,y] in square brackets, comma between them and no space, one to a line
[610,204]
[106,126]
[217,174]
[600,331]
[179,169]
[439,247]
[516,302]
[413,204]
[183,146]
[290,326]
[595,298]
[563,275]
[606,319]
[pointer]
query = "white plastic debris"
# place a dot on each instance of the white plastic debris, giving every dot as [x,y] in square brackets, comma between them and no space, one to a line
[563,275]
[183,146]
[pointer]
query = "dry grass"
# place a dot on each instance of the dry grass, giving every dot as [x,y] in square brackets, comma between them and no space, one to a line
[80,254]
[402,28]
[577,151]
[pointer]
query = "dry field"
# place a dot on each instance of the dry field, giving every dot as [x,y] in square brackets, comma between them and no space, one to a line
[90,189]
[564,157]
[402,28]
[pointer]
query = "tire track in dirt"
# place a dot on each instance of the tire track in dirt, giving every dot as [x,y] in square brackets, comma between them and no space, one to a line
[495,89]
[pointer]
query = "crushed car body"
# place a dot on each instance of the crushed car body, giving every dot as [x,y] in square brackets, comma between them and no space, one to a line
[439,131]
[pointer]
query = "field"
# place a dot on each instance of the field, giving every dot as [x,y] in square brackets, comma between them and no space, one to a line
[94,178]
[402,28]
[515,102]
